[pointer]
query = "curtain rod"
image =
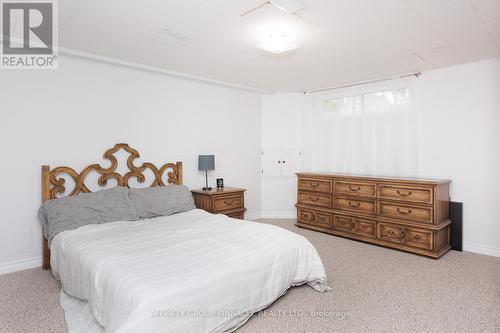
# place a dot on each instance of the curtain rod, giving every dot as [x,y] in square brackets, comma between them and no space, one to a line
[417,74]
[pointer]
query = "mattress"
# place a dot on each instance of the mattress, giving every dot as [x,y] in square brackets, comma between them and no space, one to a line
[188,272]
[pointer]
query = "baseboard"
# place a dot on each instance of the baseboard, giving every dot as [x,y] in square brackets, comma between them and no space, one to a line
[481,249]
[20,265]
[278,215]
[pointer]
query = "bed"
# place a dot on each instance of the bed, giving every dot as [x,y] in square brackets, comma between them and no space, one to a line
[186,272]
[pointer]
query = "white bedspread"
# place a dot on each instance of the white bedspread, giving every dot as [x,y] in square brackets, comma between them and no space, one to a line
[189,272]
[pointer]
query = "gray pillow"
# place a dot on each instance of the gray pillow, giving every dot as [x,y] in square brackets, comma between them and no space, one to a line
[161,200]
[72,212]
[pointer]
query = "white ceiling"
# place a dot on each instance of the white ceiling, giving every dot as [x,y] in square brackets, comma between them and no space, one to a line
[357,39]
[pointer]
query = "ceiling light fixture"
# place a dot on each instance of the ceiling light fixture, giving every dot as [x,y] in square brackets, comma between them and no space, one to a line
[277,42]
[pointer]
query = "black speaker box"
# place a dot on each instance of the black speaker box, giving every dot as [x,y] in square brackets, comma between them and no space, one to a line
[456,209]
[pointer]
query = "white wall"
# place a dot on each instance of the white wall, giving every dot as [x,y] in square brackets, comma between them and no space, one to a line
[459,110]
[459,114]
[281,131]
[70,116]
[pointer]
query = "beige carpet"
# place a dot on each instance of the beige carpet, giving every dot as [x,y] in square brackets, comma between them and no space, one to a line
[374,290]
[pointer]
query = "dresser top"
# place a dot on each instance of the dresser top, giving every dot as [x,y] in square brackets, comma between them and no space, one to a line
[215,191]
[373,178]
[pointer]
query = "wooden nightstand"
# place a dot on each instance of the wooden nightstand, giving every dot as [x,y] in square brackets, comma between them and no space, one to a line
[229,201]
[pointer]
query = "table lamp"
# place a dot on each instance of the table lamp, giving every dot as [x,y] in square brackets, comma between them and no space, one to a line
[205,163]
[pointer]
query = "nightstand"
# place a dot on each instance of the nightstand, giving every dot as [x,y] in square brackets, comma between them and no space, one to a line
[229,201]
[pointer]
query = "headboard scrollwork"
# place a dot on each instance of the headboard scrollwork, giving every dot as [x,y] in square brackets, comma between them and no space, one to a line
[54,183]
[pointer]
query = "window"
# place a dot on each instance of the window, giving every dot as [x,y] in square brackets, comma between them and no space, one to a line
[343,104]
[371,102]
[368,130]
[385,100]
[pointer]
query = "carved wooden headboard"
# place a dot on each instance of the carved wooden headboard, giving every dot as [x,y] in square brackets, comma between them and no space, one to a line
[54,184]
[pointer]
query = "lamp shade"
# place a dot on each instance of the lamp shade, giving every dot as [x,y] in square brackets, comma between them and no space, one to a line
[206,162]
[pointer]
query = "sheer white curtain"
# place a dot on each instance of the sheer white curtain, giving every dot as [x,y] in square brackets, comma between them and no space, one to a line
[369,129]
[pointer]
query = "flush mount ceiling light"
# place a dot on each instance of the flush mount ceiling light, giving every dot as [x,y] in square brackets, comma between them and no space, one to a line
[277,42]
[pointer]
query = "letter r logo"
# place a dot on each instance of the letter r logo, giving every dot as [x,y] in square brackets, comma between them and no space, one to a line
[27,28]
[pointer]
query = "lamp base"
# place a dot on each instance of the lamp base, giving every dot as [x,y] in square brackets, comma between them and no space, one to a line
[207,189]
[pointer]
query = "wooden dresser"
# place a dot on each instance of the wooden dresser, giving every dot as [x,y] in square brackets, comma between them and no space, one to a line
[229,201]
[405,214]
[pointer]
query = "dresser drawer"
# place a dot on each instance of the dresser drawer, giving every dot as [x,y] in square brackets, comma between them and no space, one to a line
[403,193]
[315,218]
[315,185]
[315,199]
[365,228]
[356,188]
[354,225]
[409,236]
[391,233]
[356,205]
[305,216]
[323,220]
[343,223]
[419,238]
[228,202]
[406,212]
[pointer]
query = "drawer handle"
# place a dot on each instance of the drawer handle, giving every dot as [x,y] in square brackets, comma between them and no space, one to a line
[407,194]
[314,199]
[354,205]
[353,225]
[417,237]
[354,189]
[391,232]
[402,233]
[404,213]
[228,202]
[314,184]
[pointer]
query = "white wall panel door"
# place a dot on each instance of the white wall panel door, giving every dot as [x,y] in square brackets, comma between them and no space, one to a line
[290,161]
[271,162]
[280,162]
